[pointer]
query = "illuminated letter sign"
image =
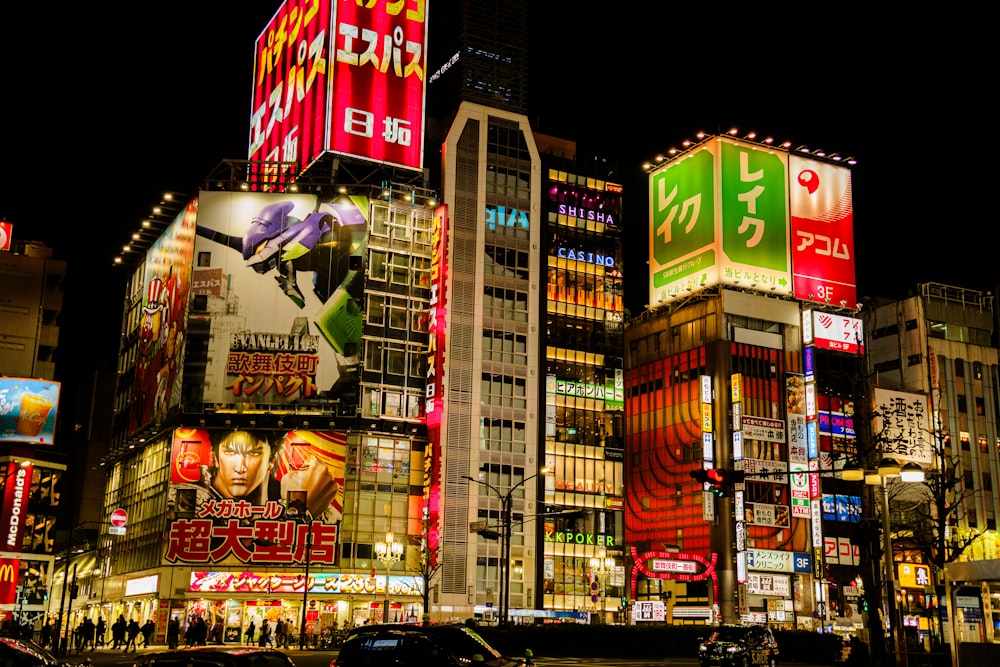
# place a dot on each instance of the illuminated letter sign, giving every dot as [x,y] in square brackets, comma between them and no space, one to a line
[15,504]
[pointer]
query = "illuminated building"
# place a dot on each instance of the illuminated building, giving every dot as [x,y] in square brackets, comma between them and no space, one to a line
[720,375]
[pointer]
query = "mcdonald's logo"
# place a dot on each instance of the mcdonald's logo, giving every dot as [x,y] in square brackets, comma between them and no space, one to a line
[8,573]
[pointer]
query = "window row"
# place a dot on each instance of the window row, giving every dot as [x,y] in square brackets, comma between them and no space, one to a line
[400,268]
[395,358]
[402,223]
[508,262]
[398,312]
[503,390]
[397,402]
[505,347]
[505,304]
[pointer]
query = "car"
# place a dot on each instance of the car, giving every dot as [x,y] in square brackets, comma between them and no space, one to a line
[739,646]
[215,656]
[15,652]
[409,644]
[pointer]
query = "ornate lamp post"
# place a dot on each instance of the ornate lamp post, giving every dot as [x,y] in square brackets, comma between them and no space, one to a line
[388,552]
[602,566]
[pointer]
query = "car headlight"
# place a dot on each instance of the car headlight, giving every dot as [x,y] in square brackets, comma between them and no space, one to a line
[701,647]
[732,649]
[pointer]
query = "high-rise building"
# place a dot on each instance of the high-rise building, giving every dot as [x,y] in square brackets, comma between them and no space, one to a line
[726,394]
[31,467]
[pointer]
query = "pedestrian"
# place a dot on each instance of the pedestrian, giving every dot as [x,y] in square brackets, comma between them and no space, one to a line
[279,632]
[78,637]
[99,632]
[173,632]
[46,634]
[118,631]
[89,633]
[148,628]
[250,633]
[265,635]
[132,632]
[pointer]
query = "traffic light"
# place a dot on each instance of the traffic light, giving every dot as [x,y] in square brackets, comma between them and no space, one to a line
[718,480]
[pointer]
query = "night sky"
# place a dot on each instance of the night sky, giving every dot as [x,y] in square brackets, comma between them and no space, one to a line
[101,114]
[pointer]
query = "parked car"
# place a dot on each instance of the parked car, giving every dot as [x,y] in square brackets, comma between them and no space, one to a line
[215,656]
[739,646]
[16,652]
[436,645]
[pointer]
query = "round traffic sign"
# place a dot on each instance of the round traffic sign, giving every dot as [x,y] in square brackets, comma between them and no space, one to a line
[119,517]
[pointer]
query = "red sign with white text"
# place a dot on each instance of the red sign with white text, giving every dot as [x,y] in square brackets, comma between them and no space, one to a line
[9,571]
[822,214]
[290,85]
[379,76]
[15,505]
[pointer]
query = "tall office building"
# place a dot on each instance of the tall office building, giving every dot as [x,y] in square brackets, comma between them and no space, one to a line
[727,386]
[31,467]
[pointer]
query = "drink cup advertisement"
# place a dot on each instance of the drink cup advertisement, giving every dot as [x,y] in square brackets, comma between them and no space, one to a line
[28,410]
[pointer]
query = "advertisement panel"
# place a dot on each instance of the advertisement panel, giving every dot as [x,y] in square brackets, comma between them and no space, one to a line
[6,235]
[28,410]
[754,218]
[822,215]
[240,496]
[438,328]
[17,487]
[902,424]
[157,386]
[9,570]
[379,74]
[683,247]
[290,85]
[346,583]
[834,332]
[286,329]
[720,215]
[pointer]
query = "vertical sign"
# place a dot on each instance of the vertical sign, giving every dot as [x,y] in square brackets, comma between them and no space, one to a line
[438,323]
[822,220]
[15,505]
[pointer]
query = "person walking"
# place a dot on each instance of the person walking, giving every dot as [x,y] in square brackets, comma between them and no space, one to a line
[89,633]
[132,631]
[148,628]
[100,632]
[173,633]
[250,633]
[46,634]
[265,635]
[118,631]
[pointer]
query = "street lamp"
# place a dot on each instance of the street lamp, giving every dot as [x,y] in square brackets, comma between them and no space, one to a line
[297,506]
[388,552]
[602,566]
[889,468]
[506,502]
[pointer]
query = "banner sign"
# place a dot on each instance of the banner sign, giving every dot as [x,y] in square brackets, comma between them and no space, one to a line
[268,583]
[28,410]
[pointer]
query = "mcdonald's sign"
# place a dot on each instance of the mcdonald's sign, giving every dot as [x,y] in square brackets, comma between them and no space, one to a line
[15,505]
[9,570]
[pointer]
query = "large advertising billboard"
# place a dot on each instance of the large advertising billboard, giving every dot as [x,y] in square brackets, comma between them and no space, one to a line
[280,285]
[167,282]
[751,216]
[290,85]
[28,410]
[344,77]
[903,426]
[255,496]
[379,81]
[822,214]
[719,215]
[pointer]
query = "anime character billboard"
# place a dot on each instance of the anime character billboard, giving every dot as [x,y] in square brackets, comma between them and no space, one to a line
[164,320]
[253,496]
[283,280]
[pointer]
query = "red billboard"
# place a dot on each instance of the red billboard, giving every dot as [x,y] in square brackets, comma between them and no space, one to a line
[290,86]
[379,77]
[343,77]
[9,571]
[822,216]
[17,484]
[435,380]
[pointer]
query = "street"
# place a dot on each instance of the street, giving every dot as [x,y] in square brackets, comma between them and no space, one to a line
[107,657]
